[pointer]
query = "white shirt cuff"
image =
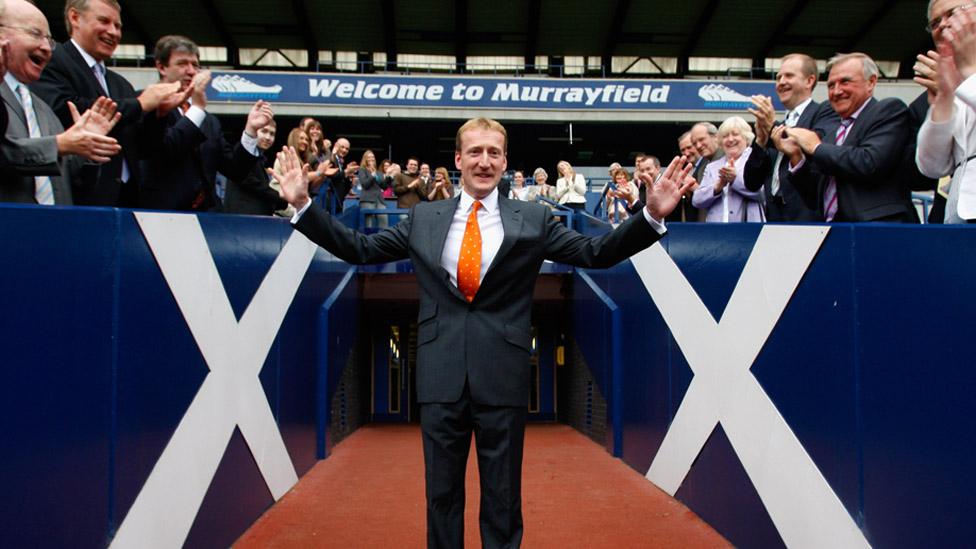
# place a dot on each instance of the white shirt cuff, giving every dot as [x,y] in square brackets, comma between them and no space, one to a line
[196,115]
[655,224]
[298,214]
[250,144]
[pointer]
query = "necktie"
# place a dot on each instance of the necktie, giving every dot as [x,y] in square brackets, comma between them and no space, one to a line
[830,193]
[790,122]
[99,70]
[469,260]
[43,192]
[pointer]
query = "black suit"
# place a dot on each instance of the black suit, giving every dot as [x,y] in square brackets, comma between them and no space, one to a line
[865,165]
[788,204]
[473,358]
[251,195]
[69,78]
[182,162]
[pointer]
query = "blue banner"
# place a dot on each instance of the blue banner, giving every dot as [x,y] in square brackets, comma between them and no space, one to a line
[487,93]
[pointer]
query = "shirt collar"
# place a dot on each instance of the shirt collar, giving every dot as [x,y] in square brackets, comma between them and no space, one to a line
[85,55]
[12,81]
[858,111]
[802,107]
[489,203]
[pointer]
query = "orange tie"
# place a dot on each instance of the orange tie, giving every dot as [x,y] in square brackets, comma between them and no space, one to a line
[469,262]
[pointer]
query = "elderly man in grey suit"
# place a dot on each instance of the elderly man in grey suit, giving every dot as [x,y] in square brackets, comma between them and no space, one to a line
[34,138]
[476,258]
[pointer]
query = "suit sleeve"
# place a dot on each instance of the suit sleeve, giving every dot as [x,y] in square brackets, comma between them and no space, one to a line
[878,151]
[567,246]
[758,168]
[351,246]
[705,195]
[30,156]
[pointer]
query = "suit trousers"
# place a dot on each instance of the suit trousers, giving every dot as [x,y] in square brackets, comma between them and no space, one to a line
[499,433]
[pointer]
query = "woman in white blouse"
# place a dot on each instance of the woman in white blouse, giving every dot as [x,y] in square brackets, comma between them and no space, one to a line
[723,192]
[570,187]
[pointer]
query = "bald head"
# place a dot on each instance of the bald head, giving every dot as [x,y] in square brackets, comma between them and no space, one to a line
[26,30]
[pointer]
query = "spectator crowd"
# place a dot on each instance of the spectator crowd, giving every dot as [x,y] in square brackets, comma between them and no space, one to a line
[74,132]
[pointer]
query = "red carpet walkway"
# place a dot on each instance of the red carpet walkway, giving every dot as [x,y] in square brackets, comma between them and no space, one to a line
[370,493]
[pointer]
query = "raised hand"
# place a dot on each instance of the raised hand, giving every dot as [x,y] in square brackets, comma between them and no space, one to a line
[199,84]
[765,116]
[292,176]
[926,72]
[664,195]
[961,36]
[261,113]
[103,116]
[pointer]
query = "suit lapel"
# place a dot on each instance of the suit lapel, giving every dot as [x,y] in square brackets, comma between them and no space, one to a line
[14,102]
[443,215]
[860,123]
[94,87]
[511,213]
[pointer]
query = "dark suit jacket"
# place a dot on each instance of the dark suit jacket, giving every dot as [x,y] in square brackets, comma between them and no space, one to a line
[68,78]
[790,204]
[488,341]
[251,195]
[182,161]
[26,157]
[865,166]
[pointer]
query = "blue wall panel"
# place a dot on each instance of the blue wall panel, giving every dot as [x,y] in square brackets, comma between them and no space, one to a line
[56,397]
[915,303]
[93,397]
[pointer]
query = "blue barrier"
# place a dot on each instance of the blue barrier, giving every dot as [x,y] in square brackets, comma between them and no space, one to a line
[100,368]
[863,365]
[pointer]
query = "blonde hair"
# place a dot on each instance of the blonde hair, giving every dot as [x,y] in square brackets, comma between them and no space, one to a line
[481,124]
[737,123]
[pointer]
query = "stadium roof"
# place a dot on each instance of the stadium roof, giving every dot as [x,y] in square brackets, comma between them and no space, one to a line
[749,31]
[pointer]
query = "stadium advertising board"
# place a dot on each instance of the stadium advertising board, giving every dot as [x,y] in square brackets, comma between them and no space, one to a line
[486,93]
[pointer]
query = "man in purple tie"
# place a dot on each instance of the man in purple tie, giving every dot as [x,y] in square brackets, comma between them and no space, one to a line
[851,160]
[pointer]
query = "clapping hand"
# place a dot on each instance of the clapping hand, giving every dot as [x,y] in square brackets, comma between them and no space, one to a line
[664,195]
[765,116]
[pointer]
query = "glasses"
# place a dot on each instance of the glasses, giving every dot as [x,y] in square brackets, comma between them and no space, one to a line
[38,35]
[937,22]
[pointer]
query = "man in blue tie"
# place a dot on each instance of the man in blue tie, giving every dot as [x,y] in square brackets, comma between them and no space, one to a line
[77,73]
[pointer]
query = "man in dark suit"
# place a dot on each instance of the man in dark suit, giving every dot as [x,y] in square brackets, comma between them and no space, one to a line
[851,160]
[42,161]
[77,73]
[185,148]
[766,168]
[476,258]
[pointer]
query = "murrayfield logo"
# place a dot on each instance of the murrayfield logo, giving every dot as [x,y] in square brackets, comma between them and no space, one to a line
[233,86]
[724,97]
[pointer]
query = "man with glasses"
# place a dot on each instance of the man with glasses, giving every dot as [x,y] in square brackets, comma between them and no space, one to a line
[947,139]
[34,140]
[77,73]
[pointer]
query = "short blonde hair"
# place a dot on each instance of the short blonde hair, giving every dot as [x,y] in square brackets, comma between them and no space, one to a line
[537,171]
[737,123]
[481,124]
[868,67]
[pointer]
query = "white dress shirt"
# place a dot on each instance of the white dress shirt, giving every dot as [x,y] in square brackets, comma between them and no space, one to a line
[492,233]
